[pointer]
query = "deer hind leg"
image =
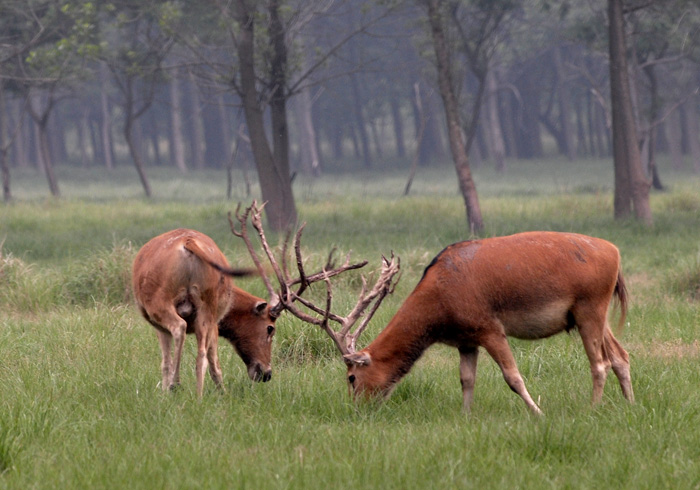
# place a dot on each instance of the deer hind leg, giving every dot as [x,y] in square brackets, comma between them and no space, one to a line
[620,363]
[591,327]
[179,333]
[497,347]
[169,327]
[467,374]
[213,358]
[206,331]
[166,365]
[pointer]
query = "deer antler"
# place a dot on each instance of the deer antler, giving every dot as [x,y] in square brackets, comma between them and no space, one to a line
[344,339]
[285,298]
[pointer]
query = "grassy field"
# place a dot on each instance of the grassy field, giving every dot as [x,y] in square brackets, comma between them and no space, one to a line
[80,405]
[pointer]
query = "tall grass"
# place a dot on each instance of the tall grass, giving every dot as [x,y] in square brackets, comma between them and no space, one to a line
[80,404]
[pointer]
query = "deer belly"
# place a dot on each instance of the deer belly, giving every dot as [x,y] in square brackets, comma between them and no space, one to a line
[537,323]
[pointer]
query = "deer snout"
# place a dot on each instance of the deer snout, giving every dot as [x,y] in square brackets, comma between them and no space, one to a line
[259,372]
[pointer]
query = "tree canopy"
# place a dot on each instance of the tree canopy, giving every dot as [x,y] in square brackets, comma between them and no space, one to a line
[295,86]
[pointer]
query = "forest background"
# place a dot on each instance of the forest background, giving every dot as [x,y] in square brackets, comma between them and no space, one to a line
[279,88]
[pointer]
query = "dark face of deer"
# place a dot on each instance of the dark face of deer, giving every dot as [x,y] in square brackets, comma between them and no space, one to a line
[250,329]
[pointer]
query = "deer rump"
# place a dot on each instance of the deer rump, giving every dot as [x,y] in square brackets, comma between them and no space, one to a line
[182,284]
[476,293]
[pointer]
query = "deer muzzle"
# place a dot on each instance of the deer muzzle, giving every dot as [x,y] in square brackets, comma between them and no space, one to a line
[259,372]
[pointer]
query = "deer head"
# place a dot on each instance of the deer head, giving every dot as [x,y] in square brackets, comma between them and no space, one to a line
[288,298]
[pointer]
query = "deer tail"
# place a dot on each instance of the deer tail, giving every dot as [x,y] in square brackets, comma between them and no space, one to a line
[620,292]
[193,247]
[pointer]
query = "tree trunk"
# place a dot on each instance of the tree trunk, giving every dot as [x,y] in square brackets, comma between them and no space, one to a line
[529,134]
[308,149]
[129,121]
[454,126]
[336,138]
[494,135]
[377,138]
[4,146]
[275,182]
[431,147]
[693,128]
[508,123]
[55,132]
[81,125]
[197,135]
[45,159]
[136,155]
[564,99]
[418,104]
[225,128]
[106,122]
[177,135]
[360,125]
[650,136]
[398,126]
[22,136]
[41,119]
[631,185]
[154,137]
[672,129]
[581,146]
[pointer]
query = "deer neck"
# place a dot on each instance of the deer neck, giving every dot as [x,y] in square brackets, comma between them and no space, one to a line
[402,342]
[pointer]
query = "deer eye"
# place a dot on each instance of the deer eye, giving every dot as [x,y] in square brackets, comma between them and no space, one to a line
[270,330]
[351,379]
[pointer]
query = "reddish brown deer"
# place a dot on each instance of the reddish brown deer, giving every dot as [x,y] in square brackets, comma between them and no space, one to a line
[475,294]
[528,286]
[182,284]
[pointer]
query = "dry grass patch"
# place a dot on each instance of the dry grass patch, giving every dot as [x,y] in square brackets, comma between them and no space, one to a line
[671,350]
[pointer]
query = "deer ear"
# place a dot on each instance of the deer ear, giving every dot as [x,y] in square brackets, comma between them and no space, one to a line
[260,307]
[358,359]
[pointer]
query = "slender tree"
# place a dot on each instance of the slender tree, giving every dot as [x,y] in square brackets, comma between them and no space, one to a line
[631,184]
[436,19]
[135,59]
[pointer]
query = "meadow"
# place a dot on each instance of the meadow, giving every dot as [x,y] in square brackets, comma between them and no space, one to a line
[81,405]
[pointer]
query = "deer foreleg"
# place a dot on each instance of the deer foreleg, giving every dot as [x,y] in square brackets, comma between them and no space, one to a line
[497,347]
[467,374]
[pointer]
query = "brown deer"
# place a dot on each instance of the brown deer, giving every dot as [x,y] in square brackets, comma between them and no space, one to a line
[475,294]
[182,284]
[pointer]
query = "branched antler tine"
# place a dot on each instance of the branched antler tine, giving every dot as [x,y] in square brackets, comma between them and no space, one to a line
[356,312]
[304,283]
[303,316]
[308,304]
[320,275]
[232,225]
[381,289]
[330,263]
[256,221]
[338,337]
[243,233]
[285,248]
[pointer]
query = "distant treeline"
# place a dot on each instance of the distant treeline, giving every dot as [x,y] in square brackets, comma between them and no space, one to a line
[367,101]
